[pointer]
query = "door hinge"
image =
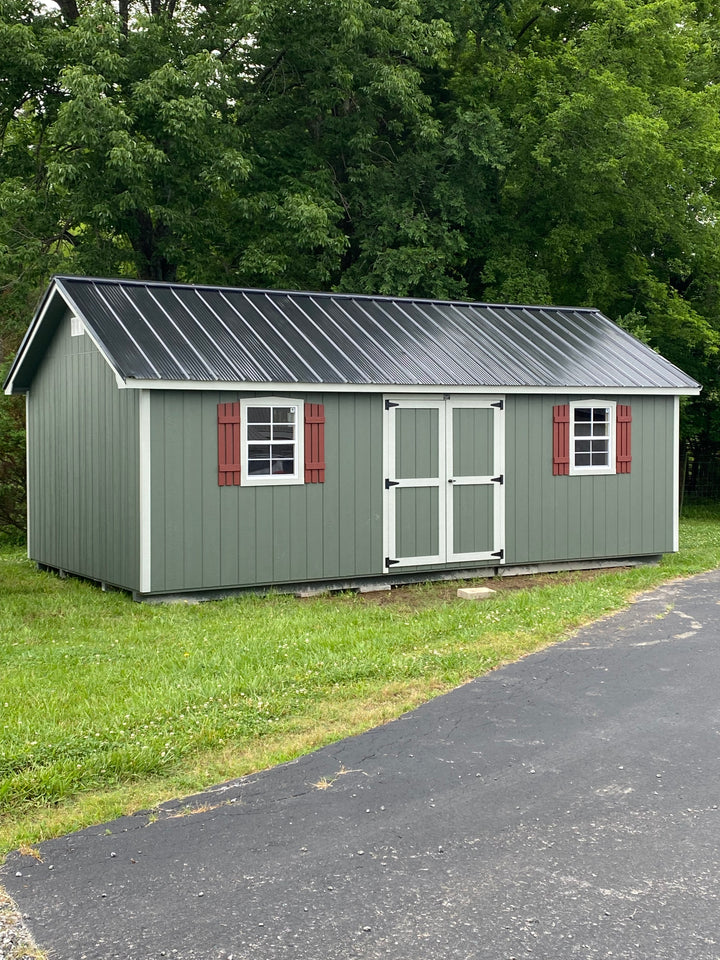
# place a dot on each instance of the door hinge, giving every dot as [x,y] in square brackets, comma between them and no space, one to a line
[390,483]
[499,404]
[389,562]
[500,554]
[390,403]
[500,479]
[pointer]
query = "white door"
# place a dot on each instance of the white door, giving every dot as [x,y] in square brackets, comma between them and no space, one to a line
[444,483]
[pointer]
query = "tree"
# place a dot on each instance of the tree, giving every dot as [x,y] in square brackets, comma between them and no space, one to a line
[609,196]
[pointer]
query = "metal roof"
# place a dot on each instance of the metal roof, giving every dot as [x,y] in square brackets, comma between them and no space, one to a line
[157,333]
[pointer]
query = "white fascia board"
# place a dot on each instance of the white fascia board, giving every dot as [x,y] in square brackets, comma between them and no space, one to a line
[88,331]
[393,388]
[55,289]
[29,338]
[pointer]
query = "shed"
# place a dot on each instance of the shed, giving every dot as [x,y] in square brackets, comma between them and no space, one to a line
[202,440]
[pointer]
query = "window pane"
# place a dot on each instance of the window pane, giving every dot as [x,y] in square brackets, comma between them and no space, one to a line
[257,468]
[257,451]
[599,446]
[283,466]
[284,451]
[583,429]
[600,413]
[258,432]
[258,414]
[284,431]
[600,429]
[582,446]
[283,414]
[583,414]
[582,460]
[599,459]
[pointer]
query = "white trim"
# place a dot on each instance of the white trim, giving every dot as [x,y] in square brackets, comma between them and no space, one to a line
[443,482]
[498,466]
[28,340]
[593,471]
[273,479]
[145,493]
[676,474]
[434,389]
[389,499]
[27,473]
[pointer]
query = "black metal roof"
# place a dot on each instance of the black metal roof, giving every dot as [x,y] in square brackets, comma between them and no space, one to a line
[161,332]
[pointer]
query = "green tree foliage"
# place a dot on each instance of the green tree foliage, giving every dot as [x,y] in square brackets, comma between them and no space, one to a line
[497,150]
[609,196]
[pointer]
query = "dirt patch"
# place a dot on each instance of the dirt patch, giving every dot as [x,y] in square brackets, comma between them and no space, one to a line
[421,595]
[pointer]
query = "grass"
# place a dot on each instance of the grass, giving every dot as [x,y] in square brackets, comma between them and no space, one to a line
[107,706]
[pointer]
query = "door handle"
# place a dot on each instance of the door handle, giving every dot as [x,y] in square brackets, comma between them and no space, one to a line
[451,480]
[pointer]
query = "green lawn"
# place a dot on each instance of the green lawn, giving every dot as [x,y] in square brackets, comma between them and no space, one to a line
[108,706]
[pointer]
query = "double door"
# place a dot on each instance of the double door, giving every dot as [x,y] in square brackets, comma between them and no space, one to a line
[444,480]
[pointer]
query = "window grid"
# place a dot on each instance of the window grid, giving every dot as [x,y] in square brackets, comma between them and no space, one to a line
[271,433]
[592,436]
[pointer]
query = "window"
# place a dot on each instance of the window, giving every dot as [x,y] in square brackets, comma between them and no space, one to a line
[269,441]
[272,447]
[591,437]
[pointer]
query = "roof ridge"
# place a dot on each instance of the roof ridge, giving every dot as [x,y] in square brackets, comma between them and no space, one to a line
[131,281]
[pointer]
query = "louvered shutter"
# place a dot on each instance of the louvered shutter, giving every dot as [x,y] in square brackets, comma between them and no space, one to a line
[229,448]
[561,439]
[314,443]
[622,439]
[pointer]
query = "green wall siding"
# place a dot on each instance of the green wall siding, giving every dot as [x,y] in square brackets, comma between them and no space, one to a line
[205,536]
[569,518]
[83,464]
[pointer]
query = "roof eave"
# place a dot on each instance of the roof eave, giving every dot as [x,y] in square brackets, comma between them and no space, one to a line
[17,384]
[409,388]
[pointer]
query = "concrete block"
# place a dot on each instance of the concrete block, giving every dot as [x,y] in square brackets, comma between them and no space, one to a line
[475,593]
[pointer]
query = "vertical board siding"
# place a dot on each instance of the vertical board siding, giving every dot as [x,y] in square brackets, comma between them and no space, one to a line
[205,536]
[551,517]
[83,455]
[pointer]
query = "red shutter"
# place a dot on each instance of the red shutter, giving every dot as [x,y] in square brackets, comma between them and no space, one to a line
[561,440]
[314,443]
[228,444]
[622,439]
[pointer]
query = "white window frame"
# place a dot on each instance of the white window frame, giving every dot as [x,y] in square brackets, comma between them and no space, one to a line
[272,479]
[77,327]
[585,471]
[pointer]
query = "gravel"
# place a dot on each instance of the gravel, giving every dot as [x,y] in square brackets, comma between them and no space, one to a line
[15,940]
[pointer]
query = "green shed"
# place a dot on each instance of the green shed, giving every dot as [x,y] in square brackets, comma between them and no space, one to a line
[202,440]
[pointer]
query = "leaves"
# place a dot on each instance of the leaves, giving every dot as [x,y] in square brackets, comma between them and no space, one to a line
[512,151]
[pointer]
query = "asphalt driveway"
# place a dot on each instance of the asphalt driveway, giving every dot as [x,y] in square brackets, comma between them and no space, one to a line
[566,806]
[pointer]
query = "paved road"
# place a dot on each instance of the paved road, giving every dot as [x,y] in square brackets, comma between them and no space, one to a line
[566,806]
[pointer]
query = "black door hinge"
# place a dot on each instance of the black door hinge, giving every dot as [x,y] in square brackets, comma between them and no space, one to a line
[390,483]
[389,562]
[500,479]
[500,554]
[499,404]
[390,403]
